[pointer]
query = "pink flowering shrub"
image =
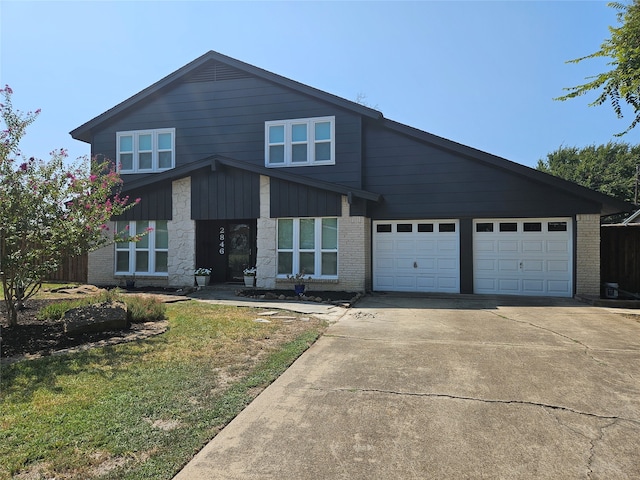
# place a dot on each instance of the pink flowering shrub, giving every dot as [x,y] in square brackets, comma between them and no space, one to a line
[48,210]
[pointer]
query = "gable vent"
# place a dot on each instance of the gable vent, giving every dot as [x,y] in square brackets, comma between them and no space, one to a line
[216,72]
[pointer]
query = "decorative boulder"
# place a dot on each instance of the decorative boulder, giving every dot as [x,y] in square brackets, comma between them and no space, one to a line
[100,317]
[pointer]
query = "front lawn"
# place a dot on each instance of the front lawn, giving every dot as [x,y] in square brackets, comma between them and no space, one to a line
[142,409]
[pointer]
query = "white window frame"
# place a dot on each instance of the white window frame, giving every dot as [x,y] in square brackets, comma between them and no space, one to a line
[317,250]
[155,160]
[133,247]
[311,142]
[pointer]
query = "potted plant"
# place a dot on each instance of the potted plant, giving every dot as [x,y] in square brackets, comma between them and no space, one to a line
[202,276]
[298,282]
[249,276]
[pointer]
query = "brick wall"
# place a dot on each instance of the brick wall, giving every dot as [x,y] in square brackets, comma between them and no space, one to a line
[102,263]
[266,241]
[588,254]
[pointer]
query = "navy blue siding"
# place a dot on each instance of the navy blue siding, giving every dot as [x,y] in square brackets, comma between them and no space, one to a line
[295,200]
[227,118]
[225,194]
[418,180]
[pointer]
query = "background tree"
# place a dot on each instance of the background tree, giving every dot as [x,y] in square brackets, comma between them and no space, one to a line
[48,211]
[609,168]
[622,82]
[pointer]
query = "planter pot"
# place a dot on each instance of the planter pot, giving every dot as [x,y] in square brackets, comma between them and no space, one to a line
[249,280]
[202,280]
[299,289]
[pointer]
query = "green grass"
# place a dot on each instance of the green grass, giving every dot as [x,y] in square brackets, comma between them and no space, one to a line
[141,410]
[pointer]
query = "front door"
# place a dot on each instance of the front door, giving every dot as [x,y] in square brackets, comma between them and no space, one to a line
[239,250]
[227,247]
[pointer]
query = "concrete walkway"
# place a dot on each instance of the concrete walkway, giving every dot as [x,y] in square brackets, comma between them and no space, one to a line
[458,387]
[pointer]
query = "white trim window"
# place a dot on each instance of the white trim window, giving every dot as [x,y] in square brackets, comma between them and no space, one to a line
[146,256]
[300,142]
[146,151]
[309,246]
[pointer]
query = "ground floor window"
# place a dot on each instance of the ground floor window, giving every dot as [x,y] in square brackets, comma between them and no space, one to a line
[309,246]
[147,255]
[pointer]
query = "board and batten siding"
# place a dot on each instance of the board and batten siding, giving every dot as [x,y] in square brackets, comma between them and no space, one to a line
[225,194]
[155,203]
[227,118]
[419,180]
[295,200]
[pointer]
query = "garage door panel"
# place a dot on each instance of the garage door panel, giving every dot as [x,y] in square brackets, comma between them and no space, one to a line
[533,246]
[507,246]
[523,262]
[414,260]
[560,266]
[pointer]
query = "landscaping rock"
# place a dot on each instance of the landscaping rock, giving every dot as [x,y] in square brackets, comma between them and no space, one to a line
[100,317]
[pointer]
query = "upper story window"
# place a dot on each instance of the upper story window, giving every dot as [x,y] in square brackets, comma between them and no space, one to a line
[146,150]
[304,141]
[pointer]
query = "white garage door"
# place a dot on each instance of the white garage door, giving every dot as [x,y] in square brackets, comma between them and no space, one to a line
[526,256]
[416,256]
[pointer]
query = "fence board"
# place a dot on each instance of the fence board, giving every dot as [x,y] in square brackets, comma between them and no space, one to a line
[74,269]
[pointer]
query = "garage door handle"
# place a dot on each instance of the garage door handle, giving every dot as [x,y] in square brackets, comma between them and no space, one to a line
[415,264]
[520,264]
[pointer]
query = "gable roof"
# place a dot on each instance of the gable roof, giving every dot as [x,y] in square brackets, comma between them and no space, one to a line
[609,205]
[215,161]
[83,132]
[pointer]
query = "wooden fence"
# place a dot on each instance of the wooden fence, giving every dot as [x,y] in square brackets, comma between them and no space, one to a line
[74,269]
[620,256]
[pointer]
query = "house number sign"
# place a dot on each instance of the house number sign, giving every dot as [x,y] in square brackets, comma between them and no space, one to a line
[222,238]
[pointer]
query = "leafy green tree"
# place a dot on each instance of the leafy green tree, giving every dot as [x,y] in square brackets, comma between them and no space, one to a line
[622,82]
[48,211]
[609,168]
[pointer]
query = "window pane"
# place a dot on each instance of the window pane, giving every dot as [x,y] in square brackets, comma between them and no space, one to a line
[299,153]
[329,264]
[557,226]
[404,228]
[126,144]
[383,228]
[532,227]
[122,231]
[126,161]
[323,131]
[285,263]
[447,227]
[276,154]
[144,142]
[329,234]
[161,261]
[164,141]
[484,227]
[508,227]
[142,261]
[307,233]
[276,134]
[162,235]
[141,227]
[308,263]
[425,227]
[164,160]
[299,133]
[122,261]
[285,233]
[145,160]
[323,151]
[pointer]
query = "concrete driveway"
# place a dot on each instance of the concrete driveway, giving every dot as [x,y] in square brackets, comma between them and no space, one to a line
[457,387]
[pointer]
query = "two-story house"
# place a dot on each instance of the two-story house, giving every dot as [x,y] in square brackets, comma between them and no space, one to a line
[237,166]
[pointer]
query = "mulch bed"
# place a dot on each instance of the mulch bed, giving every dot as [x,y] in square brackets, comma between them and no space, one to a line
[33,337]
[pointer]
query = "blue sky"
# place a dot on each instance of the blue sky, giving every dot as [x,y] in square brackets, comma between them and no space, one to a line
[480,73]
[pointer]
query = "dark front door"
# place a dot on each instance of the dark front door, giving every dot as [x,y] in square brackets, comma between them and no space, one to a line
[227,247]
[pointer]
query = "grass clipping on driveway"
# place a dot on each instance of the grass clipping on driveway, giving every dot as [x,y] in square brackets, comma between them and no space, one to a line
[142,409]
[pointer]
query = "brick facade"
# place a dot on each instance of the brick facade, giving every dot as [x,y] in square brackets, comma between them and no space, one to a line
[588,254]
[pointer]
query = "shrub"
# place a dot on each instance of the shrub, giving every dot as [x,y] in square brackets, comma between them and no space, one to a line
[139,309]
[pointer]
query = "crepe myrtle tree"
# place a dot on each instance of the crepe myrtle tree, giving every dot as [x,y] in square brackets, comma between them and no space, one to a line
[48,210]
